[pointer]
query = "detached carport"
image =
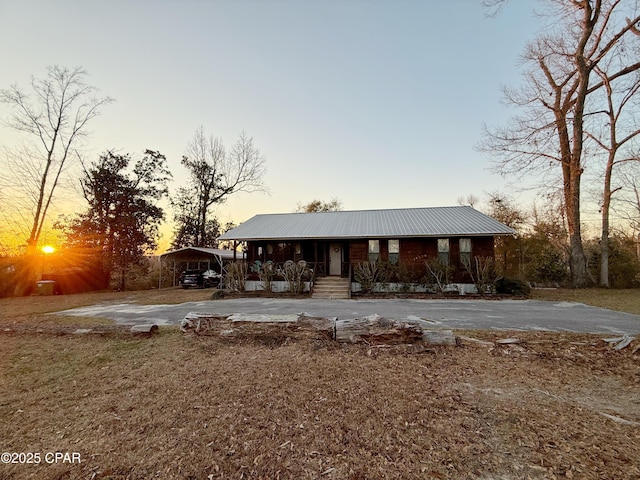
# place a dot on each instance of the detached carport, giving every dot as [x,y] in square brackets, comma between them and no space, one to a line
[196,258]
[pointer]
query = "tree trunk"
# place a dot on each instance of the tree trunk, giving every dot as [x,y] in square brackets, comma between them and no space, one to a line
[604,238]
[580,277]
[572,153]
[372,330]
[123,272]
[376,329]
[604,258]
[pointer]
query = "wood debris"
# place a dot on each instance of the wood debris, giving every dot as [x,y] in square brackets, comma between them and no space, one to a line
[474,341]
[619,420]
[372,329]
[508,341]
[147,328]
[621,342]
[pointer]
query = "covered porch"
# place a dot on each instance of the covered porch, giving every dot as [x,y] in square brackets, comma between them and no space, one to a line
[325,257]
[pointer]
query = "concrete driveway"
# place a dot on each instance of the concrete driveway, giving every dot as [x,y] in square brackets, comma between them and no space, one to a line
[459,313]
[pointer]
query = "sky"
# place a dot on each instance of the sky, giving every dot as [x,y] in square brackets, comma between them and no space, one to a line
[378,103]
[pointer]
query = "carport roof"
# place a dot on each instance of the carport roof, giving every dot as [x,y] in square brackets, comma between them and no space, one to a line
[198,252]
[394,223]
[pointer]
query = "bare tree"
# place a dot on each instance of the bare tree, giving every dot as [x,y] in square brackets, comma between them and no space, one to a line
[215,174]
[560,83]
[630,201]
[333,205]
[55,115]
[471,200]
[615,137]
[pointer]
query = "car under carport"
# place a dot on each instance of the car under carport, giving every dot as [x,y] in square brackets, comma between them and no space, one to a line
[194,258]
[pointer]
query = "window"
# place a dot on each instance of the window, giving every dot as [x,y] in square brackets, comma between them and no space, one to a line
[374,250]
[443,251]
[394,252]
[465,251]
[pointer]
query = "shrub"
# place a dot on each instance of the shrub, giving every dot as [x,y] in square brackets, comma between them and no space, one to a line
[512,286]
[483,273]
[136,276]
[549,266]
[438,275]
[266,271]
[8,276]
[624,266]
[236,273]
[366,273]
[295,274]
[405,275]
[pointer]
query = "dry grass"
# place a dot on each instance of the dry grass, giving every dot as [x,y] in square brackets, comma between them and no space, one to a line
[621,300]
[36,309]
[268,406]
[199,407]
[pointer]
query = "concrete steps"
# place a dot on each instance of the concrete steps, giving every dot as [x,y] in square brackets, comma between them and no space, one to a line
[332,288]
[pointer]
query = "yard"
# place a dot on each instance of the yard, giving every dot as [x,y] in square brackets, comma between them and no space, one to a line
[269,406]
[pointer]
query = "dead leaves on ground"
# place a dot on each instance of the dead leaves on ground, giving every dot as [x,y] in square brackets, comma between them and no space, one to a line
[215,408]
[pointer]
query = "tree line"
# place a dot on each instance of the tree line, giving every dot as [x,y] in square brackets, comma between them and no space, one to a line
[577,113]
[540,251]
[576,129]
[121,220]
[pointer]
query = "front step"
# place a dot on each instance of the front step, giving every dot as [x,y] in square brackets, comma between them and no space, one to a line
[332,288]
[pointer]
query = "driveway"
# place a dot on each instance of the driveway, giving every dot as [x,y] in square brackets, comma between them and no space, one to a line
[457,314]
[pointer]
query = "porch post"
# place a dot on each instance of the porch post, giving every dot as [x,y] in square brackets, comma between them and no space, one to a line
[315,256]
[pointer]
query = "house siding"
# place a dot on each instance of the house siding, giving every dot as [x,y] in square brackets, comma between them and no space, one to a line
[359,251]
[413,253]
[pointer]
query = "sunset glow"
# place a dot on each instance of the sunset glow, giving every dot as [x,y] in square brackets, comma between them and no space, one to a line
[48,249]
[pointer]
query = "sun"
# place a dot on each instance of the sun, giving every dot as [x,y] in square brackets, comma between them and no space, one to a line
[48,249]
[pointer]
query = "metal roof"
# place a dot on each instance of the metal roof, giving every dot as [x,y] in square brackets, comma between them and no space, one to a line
[396,223]
[194,252]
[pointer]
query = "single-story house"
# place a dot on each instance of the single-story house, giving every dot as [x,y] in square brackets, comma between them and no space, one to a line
[197,258]
[333,243]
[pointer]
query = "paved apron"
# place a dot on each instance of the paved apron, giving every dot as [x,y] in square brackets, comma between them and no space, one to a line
[469,314]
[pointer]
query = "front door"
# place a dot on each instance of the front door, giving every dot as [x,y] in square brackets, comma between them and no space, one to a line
[335,259]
